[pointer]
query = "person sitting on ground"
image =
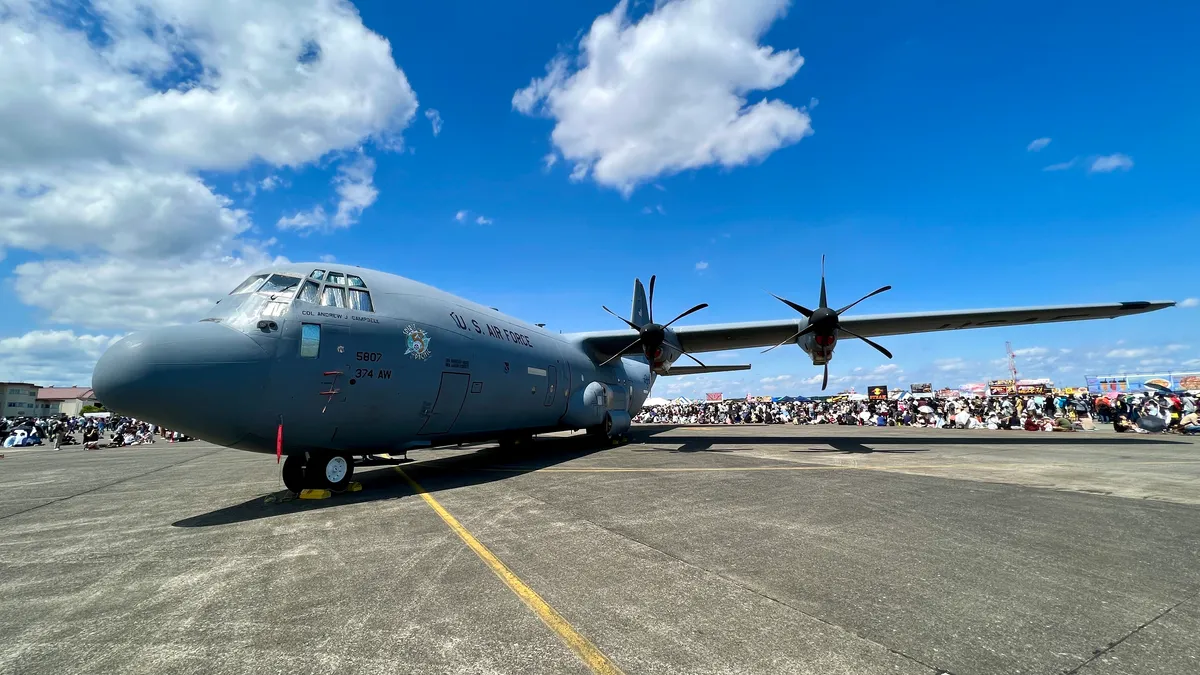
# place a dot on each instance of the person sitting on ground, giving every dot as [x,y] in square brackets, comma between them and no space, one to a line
[1190,423]
[1063,424]
[1121,423]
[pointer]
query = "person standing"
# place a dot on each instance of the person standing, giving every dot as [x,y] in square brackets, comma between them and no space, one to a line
[59,431]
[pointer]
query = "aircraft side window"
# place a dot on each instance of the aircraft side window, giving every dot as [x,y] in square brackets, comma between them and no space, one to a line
[310,292]
[360,300]
[317,274]
[280,284]
[355,282]
[249,285]
[333,296]
[310,340]
[336,278]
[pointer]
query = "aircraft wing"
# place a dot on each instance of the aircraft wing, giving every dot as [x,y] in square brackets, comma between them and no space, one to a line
[719,337]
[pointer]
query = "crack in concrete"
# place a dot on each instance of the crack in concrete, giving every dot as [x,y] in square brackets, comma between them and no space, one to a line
[1113,645]
[108,485]
[934,669]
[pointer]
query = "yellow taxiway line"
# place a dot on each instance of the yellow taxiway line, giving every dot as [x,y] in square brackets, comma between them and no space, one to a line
[588,652]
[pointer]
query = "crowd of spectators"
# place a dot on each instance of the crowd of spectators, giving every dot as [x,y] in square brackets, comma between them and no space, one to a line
[90,431]
[1052,412]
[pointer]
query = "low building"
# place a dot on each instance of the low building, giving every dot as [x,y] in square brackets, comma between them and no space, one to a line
[18,399]
[53,401]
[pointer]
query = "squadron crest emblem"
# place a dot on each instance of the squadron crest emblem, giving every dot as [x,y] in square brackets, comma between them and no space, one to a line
[418,343]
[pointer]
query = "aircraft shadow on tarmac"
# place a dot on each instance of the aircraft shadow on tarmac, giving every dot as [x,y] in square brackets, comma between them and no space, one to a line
[483,465]
[435,475]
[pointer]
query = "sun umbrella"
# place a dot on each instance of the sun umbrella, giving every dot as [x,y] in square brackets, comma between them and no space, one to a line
[925,409]
[1155,386]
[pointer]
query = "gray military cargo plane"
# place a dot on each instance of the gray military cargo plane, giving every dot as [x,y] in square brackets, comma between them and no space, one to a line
[330,364]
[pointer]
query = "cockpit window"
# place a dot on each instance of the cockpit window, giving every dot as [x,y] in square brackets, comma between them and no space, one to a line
[310,292]
[249,285]
[333,296]
[360,300]
[280,284]
[317,274]
[336,278]
[356,282]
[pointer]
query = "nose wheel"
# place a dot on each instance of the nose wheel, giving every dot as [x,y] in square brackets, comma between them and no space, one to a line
[318,471]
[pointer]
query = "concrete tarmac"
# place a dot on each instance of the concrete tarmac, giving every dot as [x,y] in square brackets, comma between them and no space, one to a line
[755,549]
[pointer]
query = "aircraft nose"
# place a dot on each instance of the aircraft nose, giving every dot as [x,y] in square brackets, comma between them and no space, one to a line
[193,378]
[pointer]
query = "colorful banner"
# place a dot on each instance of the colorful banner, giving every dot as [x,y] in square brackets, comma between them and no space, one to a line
[713,397]
[948,393]
[1033,389]
[923,388]
[1002,387]
[1137,383]
[878,392]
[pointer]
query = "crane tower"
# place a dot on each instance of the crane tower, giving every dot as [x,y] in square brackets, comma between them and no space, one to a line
[1012,360]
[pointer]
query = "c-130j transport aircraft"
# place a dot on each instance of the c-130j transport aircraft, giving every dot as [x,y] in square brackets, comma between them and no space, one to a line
[328,363]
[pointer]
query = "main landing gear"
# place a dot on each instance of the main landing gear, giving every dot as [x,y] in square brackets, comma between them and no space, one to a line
[318,471]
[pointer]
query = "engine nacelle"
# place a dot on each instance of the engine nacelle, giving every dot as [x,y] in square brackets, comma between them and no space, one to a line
[819,347]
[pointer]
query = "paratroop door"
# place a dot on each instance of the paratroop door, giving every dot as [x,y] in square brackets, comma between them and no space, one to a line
[449,403]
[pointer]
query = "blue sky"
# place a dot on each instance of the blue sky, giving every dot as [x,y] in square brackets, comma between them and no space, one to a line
[916,169]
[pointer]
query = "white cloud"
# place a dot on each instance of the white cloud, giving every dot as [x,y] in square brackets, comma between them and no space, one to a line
[483,220]
[1062,166]
[1176,348]
[1031,351]
[1037,144]
[211,85]
[460,216]
[777,378]
[355,188]
[123,210]
[52,357]
[1192,363]
[1110,163]
[328,258]
[117,293]
[549,160]
[435,120]
[1127,353]
[1190,302]
[668,92]
[105,133]
[702,265]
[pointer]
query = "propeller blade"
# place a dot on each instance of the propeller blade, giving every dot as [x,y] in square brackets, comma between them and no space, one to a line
[807,329]
[799,308]
[823,302]
[697,308]
[694,359]
[622,352]
[853,334]
[825,382]
[874,292]
[627,321]
[651,303]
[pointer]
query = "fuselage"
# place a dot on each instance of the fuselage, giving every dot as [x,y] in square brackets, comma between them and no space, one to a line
[345,358]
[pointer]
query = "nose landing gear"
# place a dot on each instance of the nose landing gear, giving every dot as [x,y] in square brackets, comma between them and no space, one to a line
[318,471]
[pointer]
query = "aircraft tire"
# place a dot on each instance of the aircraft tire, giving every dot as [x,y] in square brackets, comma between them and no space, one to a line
[293,473]
[331,471]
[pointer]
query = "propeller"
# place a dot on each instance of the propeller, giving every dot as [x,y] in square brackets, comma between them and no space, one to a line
[825,324]
[651,336]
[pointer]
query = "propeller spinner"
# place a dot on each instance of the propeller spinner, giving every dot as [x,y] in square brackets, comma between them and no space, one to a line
[651,335]
[825,324]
